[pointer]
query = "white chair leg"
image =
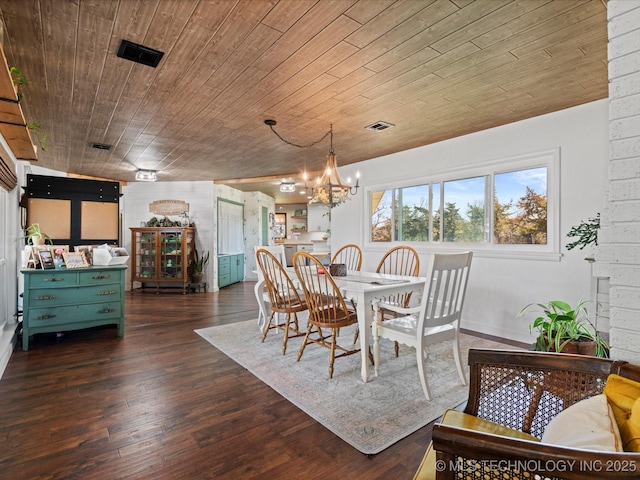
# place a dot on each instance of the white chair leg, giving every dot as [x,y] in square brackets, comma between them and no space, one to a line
[376,351]
[458,359]
[262,314]
[421,354]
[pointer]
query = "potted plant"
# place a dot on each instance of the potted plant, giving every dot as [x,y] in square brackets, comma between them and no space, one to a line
[35,235]
[587,233]
[198,266]
[564,328]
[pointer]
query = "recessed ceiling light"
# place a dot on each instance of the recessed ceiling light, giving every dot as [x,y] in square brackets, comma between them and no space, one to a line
[287,187]
[146,175]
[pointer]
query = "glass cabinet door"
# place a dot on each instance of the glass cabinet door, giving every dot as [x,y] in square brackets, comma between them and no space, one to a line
[188,239]
[171,255]
[145,244]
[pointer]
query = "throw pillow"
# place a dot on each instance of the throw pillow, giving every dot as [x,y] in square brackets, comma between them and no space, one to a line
[624,397]
[588,425]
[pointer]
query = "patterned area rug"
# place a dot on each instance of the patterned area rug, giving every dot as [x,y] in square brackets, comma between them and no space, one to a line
[369,416]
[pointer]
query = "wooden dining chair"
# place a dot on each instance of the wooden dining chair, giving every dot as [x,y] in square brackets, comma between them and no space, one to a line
[436,319]
[400,260]
[350,255]
[327,308]
[262,297]
[283,297]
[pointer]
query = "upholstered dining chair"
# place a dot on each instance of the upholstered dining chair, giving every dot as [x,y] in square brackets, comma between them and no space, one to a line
[262,296]
[283,297]
[436,319]
[350,255]
[327,308]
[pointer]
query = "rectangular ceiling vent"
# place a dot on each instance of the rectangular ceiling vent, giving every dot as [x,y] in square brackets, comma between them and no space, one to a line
[379,126]
[139,53]
[101,146]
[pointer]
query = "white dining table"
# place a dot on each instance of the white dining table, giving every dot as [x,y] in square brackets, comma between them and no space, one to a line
[365,288]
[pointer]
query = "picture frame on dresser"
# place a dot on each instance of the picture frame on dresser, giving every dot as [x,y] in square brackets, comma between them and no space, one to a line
[46,259]
[75,260]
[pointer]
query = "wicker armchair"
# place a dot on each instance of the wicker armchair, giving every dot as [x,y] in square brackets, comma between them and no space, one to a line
[524,391]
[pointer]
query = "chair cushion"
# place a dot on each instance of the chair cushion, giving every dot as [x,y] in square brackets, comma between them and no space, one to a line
[455,418]
[588,425]
[624,397]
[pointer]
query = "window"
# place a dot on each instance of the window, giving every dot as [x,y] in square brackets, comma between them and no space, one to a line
[463,213]
[412,219]
[381,216]
[520,207]
[504,207]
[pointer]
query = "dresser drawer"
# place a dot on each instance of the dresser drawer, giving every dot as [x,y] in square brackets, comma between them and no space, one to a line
[97,277]
[224,268]
[52,316]
[224,279]
[55,278]
[75,295]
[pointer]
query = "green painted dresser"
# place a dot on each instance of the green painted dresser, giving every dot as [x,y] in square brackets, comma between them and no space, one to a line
[71,299]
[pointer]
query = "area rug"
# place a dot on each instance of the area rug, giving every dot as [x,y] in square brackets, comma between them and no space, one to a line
[369,416]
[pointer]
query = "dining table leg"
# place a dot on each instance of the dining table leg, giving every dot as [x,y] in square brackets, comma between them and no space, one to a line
[365,316]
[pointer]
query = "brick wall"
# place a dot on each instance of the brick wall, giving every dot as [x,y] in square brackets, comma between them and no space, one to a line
[619,238]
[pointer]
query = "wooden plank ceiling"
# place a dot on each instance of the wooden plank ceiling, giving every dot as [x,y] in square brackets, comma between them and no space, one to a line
[436,69]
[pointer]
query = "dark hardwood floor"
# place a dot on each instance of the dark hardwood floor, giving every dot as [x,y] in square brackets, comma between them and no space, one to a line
[162,403]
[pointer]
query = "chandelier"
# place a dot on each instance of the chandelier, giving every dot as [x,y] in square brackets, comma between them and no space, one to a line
[329,189]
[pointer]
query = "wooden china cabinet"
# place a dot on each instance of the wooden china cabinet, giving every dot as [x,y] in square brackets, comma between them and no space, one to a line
[162,256]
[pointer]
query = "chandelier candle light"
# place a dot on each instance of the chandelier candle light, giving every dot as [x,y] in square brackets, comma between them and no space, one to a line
[329,189]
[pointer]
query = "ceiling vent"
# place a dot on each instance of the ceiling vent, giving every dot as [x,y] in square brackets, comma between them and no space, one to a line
[379,126]
[101,146]
[139,53]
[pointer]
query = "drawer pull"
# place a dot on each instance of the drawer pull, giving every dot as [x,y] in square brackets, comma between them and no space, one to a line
[46,297]
[107,292]
[101,277]
[45,317]
[53,279]
[107,310]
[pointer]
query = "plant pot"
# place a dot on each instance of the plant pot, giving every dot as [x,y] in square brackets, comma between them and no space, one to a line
[578,348]
[37,240]
[587,348]
[197,277]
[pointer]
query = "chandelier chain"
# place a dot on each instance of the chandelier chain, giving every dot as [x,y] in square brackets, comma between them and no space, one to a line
[300,146]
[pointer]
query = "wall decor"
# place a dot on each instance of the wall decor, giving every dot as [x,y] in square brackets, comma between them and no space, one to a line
[168,207]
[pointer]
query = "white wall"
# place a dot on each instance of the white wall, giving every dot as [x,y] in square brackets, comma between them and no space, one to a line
[199,195]
[619,246]
[500,287]
[253,204]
